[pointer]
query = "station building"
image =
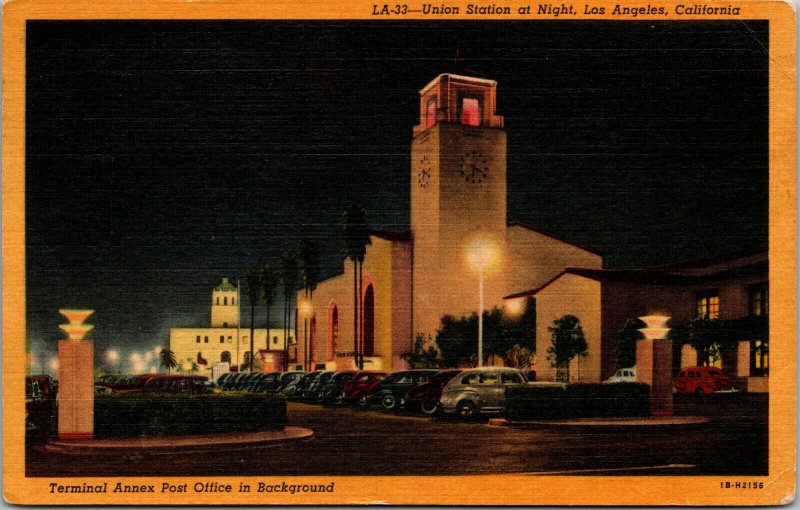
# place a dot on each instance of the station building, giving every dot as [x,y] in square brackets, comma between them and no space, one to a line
[460,240]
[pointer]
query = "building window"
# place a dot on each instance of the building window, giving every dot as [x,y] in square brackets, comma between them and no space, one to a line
[430,112]
[247,358]
[222,339]
[225,357]
[224,324]
[217,299]
[230,339]
[274,339]
[759,299]
[759,358]
[470,111]
[244,339]
[708,304]
[198,339]
[225,301]
[233,300]
[205,339]
[291,341]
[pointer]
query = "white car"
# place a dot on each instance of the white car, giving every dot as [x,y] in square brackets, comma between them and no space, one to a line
[622,375]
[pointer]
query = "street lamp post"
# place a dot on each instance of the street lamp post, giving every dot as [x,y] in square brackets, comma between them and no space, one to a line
[306,310]
[482,255]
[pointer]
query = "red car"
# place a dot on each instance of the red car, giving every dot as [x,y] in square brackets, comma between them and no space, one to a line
[702,381]
[361,385]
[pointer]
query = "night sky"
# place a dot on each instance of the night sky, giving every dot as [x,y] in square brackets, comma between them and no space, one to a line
[162,156]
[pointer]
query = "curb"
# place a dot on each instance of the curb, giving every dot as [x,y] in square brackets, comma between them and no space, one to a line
[599,425]
[177,445]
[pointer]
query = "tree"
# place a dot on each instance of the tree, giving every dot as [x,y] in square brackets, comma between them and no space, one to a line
[709,337]
[567,342]
[518,357]
[192,367]
[269,283]
[167,359]
[356,239]
[308,256]
[426,353]
[287,275]
[254,295]
[626,347]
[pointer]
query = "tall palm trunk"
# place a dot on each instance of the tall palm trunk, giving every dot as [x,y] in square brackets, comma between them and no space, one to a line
[252,332]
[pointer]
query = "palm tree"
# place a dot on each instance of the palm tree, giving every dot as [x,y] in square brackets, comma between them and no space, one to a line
[356,239]
[308,255]
[269,282]
[288,278]
[254,293]
[167,359]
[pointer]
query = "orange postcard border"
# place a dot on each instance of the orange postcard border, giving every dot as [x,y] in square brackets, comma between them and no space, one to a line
[779,485]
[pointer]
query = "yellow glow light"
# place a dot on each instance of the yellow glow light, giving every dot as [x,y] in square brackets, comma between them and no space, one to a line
[305,307]
[656,326]
[482,253]
[76,331]
[75,316]
[516,307]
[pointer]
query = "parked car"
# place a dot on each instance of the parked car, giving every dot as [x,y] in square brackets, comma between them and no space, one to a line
[623,375]
[425,396]
[173,383]
[333,392]
[314,391]
[479,391]
[296,389]
[702,381]
[393,387]
[361,386]
[287,378]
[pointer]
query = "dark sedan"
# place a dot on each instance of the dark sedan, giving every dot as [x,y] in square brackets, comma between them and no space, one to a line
[333,392]
[425,396]
[394,386]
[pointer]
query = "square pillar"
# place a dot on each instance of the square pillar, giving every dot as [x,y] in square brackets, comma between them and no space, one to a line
[688,356]
[743,359]
[75,389]
[654,367]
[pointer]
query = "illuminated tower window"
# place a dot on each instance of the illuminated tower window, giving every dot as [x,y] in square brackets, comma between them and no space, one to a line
[470,111]
[708,305]
[430,112]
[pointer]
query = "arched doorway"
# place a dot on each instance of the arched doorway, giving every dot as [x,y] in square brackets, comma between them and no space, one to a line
[225,357]
[312,340]
[369,322]
[333,331]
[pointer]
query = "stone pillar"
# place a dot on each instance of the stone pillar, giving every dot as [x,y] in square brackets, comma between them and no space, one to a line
[654,364]
[743,359]
[75,378]
[688,356]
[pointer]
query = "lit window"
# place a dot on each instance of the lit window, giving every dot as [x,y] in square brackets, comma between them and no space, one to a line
[759,299]
[471,111]
[430,112]
[708,304]
[760,357]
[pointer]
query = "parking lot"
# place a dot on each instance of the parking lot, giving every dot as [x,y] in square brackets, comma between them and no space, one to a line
[352,441]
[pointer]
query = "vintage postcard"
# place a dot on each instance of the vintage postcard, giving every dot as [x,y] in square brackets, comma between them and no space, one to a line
[463,252]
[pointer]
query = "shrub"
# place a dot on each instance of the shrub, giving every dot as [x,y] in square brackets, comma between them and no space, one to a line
[173,414]
[577,401]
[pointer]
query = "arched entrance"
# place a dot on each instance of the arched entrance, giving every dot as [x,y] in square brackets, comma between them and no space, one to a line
[333,331]
[369,321]
[225,357]
[312,340]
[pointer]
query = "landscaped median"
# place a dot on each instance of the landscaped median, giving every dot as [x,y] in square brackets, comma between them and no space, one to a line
[574,401]
[176,414]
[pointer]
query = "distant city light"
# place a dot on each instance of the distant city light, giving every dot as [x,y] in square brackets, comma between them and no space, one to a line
[53,364]
[516,307]
[112,356]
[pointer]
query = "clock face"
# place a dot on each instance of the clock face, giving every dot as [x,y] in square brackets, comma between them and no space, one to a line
[474,167]
[424,172]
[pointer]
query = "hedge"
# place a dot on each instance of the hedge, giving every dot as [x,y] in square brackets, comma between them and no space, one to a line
[172,414]
[577,401]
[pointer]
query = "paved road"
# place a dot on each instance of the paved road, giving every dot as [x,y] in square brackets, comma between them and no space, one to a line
[357,442]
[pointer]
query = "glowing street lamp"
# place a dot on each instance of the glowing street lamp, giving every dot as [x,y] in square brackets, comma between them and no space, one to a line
[483,256]
[655,327]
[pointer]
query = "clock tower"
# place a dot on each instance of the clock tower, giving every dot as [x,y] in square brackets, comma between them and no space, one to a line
[458,194]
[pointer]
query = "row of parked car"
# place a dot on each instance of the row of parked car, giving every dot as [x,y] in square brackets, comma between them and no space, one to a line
[465,392]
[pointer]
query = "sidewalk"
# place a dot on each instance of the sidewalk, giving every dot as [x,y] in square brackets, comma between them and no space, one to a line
[147,446]
[597,424]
